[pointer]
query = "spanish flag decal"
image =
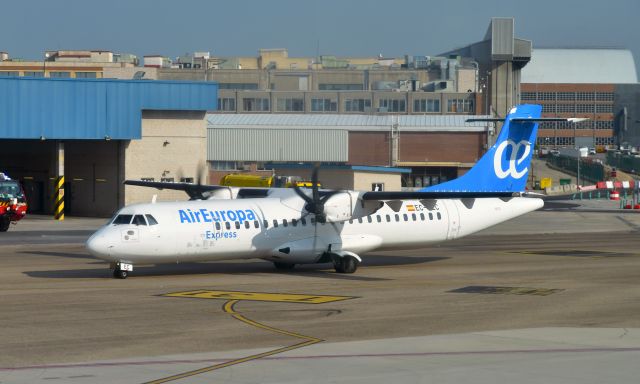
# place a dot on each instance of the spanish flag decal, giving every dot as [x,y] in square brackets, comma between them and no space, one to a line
[411,207]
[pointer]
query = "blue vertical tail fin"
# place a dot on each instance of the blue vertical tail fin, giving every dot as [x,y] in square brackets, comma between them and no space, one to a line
[505,166]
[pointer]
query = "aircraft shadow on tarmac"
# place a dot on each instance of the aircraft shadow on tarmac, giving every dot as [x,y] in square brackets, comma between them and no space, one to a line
[239,268]
[59,254]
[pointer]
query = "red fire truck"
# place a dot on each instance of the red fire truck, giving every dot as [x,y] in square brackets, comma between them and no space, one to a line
[13,205]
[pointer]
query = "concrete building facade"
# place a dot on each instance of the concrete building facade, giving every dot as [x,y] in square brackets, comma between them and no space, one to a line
[67,64]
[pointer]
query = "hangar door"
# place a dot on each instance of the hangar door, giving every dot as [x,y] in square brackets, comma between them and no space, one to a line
[91,174]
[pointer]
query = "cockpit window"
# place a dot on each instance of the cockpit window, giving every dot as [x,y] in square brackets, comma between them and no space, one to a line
[152,220]
[139,220]
[122,219]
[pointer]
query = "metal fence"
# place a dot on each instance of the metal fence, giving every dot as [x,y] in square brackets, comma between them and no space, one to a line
[590,170]
[624,162]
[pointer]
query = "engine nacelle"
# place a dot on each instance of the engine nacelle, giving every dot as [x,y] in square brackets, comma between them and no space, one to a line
[347,205]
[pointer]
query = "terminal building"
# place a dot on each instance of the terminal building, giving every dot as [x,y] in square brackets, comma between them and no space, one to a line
[588,83]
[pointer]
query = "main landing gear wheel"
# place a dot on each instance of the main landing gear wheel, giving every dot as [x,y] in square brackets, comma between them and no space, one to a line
[345,264]
[283,266]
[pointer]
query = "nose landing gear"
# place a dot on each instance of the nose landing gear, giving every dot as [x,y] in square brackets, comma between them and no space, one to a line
[121,270]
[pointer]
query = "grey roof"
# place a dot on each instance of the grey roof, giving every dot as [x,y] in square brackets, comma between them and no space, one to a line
[580,66]
[450,123]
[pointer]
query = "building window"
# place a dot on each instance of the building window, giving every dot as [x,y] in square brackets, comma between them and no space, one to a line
[86,75]
[604,141]
[392,105]
[566,96]
[604,96]
[223,165]
[9,73]
[584,108]
[603,124]
[255,104]
[460,105]
[585,96]
[324,105]
[34,74]
[428,105]
[604,108]
[565,108]
[340,87]
[528,96]
[547,125]
[226,104]
[547,96]
[564,141]
[289,104]
[548,108]
[240,86]
[60,74]
[357,105]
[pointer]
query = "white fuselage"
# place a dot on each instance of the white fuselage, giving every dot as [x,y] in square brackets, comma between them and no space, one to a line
[222,229]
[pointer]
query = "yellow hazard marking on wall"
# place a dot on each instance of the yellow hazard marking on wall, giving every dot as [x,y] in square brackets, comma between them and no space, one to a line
[229,307]
[259,296]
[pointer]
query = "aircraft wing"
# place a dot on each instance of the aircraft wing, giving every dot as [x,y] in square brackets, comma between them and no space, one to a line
[195,191]
[198,191]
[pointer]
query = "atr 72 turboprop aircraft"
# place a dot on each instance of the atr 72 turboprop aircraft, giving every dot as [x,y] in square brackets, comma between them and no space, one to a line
[303,226]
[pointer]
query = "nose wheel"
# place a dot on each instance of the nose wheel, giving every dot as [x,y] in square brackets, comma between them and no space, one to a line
[121,270]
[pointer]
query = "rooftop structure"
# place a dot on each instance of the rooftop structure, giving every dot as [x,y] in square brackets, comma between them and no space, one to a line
[580,66]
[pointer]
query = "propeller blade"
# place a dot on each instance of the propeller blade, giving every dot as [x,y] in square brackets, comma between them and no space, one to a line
[303,195]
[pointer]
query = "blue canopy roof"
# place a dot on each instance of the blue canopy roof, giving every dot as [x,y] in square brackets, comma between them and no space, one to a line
[32,108]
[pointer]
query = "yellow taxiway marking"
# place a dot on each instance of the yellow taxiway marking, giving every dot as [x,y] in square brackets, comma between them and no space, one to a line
[229,307]
[259,296]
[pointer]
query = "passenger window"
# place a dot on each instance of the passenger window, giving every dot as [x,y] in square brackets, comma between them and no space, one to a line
[275,223]
[303,221]
[379,218]
[227,225]
[388,219]
[284,222]
[266,223]
[122,219]
[152,220]
[247,225]
[405,217]
[139,220]
[237,225]
[422,216]
[369,219]
[413,216]
[439,215]
[217,226]
[256,224]
[430,216]
[294,222]
[360,220]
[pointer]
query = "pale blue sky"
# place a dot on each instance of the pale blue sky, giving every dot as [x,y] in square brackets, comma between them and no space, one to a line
[340,27]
